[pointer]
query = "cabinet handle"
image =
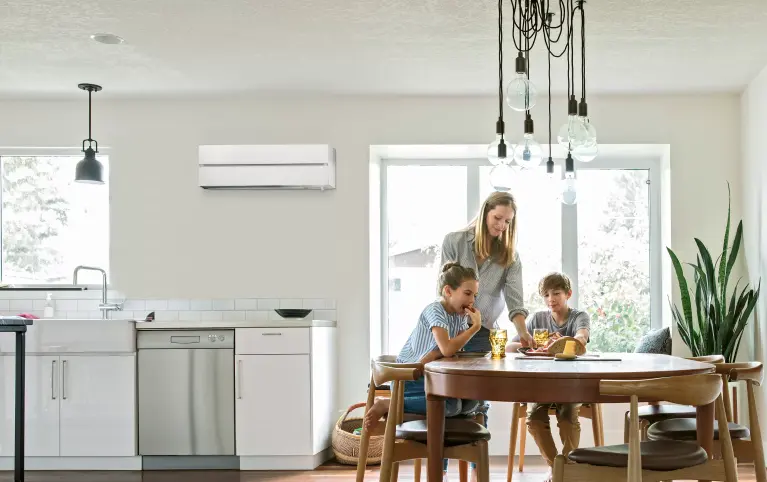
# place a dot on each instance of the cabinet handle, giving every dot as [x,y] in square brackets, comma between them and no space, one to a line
[271,334]
[64,380]
[53,379]
[239,377]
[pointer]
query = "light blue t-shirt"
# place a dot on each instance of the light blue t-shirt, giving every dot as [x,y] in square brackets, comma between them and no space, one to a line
[421,340]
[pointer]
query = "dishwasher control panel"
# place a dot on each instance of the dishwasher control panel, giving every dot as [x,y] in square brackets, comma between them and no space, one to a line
[184,339]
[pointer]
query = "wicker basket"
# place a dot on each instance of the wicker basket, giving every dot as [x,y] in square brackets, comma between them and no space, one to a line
[346,445]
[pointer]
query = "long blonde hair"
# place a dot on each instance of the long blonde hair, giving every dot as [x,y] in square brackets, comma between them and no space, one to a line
[503,248]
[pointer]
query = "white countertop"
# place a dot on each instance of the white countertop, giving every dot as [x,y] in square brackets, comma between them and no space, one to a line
[202,325]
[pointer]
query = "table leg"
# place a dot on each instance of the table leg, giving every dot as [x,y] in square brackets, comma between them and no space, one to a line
[705,427]
[435,436]
[18,470]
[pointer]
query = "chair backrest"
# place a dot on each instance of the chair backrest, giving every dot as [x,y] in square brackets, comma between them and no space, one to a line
[750,371]
[693,390]
[385,372]
[713,359]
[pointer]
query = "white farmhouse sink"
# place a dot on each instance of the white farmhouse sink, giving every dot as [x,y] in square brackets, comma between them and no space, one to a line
[53,335]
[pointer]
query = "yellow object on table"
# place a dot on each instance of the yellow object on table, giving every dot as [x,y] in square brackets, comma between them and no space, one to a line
[498,340]
[569,348]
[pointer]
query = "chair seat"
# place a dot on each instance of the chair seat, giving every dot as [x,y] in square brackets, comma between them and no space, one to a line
[458,431]
[656,413]
[657,455]
[686,429]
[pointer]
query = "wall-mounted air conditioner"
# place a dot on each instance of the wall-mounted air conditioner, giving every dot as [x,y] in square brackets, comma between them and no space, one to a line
[302,166]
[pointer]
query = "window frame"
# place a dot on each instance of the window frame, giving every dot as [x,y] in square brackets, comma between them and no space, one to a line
[569,222]
[104,151]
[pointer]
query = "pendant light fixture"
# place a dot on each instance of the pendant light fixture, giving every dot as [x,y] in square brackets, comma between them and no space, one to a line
[556,23]
[90,170]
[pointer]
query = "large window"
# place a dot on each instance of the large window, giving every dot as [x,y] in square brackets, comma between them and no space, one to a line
[51,224]
[602,243]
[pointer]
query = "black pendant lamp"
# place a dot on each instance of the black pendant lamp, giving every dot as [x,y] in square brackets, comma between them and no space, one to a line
[90,170]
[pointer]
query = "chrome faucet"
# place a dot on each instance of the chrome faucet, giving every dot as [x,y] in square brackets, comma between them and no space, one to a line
[103,306]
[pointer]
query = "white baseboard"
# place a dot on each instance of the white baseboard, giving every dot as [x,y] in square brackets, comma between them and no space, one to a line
[74,463]
[285,462]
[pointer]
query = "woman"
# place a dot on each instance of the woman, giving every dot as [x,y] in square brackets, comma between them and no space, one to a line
[488,244]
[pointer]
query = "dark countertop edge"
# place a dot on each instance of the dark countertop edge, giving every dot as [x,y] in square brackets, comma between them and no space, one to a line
[45,288]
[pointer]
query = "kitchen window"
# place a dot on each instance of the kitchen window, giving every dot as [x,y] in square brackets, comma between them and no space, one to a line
[608,243]
[51,224]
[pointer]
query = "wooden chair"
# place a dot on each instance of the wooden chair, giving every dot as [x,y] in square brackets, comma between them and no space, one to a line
[465,439]
[656,412]
[589,411]
[747,444]
[657,460]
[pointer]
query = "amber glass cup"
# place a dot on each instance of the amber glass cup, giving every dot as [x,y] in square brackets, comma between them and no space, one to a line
[498,340]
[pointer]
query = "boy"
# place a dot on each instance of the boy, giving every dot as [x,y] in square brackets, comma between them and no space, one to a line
[555,289]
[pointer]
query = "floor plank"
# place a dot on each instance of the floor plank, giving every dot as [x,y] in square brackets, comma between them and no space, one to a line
[331,472]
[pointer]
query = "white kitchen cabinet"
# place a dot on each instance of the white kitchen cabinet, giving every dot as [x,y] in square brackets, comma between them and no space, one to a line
[75,406]
[97,406]
[42,406]
[273,404]
[285,397]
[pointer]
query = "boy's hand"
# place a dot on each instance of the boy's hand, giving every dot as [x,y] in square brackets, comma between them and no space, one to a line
[475,319]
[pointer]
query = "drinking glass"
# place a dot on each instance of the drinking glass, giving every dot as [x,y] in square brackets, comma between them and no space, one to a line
[541,336]
[498,339]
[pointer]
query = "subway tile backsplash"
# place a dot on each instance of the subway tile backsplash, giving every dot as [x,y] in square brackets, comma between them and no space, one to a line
[84,304]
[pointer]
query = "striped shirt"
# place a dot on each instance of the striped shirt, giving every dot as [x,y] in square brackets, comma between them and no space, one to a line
[496,283]
[421,340]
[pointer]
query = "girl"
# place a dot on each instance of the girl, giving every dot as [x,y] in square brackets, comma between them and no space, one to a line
[442,330]
[488,245]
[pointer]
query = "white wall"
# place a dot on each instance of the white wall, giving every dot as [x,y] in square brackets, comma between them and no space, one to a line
[754,169]
[172,239]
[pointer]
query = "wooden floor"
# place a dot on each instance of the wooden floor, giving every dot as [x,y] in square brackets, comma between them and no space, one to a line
[534,471]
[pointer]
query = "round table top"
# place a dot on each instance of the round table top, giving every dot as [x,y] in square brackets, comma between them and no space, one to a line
[629,366]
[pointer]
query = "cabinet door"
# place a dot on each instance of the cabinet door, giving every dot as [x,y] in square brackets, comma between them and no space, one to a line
[42,394]
[98,406]
[273,405]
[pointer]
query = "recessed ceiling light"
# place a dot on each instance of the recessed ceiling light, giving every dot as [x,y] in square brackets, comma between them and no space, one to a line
[107,38]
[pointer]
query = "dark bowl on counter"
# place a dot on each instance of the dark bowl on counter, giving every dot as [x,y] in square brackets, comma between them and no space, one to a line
[292,312]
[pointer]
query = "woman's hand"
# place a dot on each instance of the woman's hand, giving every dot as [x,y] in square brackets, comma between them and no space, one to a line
[475,318]
[526,339]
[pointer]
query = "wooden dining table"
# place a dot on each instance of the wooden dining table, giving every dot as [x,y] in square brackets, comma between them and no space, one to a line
[517,378]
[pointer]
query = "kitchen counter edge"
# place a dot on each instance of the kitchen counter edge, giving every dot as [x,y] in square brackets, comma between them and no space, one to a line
[208,325]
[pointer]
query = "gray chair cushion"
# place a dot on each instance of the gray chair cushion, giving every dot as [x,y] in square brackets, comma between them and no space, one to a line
[656,341]
[660,455]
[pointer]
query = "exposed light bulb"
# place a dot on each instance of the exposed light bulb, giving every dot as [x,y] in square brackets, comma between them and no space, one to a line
[569,189]
[586,153]
[492,152]
[573,133]
[521,94]
[528,153]
[501,177]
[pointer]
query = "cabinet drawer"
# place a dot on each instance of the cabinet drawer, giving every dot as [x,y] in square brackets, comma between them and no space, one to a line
[272,341]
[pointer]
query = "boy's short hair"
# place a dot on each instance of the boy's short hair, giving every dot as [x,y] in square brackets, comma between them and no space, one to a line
[554,281]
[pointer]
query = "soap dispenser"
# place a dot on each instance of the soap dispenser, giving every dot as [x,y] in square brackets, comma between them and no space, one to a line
[48,311]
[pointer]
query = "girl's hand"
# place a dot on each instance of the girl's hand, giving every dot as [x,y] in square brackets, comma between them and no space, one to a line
[475,319]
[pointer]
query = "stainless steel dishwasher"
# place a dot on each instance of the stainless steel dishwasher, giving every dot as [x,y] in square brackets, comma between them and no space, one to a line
[185,393]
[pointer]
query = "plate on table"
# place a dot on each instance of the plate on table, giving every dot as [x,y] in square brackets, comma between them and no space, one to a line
[527,351]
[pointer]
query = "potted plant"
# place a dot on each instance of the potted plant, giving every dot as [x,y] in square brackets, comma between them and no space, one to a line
[716,325]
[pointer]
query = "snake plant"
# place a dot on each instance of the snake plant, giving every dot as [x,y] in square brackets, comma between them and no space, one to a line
[719,321]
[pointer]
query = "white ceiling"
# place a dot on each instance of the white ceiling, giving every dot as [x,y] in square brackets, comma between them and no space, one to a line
[363,46]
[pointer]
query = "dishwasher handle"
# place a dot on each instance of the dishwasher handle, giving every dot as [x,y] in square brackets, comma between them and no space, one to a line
[184,339]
